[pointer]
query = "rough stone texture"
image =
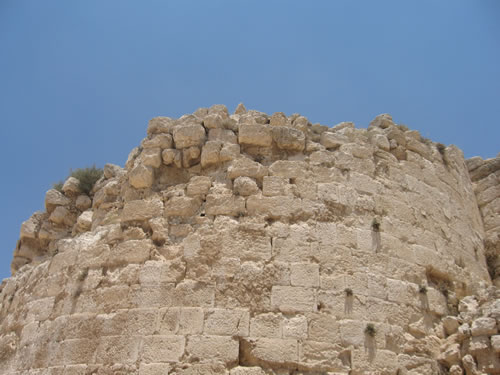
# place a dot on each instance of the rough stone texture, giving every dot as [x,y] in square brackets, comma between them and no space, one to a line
[249,244]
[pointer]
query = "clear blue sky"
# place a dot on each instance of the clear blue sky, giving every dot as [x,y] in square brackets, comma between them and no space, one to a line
[79,80]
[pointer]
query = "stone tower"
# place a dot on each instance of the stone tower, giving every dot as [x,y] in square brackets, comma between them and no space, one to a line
[250,244]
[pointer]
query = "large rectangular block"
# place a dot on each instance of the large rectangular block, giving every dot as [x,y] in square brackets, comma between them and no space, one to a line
[118,349]
[191,320]
[132,251]
[272,351]
[161,348]
[304,274]
[78,351]
[321,356]
[132,322]
[194,293]
[293,299]
[221,348]
[266,325]
[323,327]
[227,322]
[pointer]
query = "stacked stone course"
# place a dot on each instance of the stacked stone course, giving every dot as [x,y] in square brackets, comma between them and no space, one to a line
[250,244]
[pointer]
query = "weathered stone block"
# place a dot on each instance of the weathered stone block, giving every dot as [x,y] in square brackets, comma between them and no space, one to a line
[114,349]
[162,348]
[266,325]
[188,136]
[255,135]
[220,348]
[288,138]
[182,206]
[304,274]
[293,299]
[225,322]
[142,209]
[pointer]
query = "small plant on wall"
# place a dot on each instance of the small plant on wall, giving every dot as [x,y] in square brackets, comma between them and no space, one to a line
[370,330]
[348,292]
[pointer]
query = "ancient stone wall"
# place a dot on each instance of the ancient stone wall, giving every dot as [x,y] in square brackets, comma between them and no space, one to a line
[250,244]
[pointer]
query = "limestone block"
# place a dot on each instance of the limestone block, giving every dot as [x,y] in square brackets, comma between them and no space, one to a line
[323,327]
[213,121]
[210,153]
[71,186]
[226,322]
[188,135]
[112,170]
[159,348]
[418,147]
[220,348]
[352,332]
[382,121]
[160,125]
[278,207]
[245,186]
[291,299]
[278,119]
[275,352]
[229,152]
[30,228]
[332,140]
[83,202]
[222,135]
[198,185]
[451,356]
[190,293]
[295,327]
[40,309]
[450,324]
[154,368]
[246,168]
[288,138]
[151,157]
[266,325]
[172,156]
[275,185]
[304,274]
[77,351]
[114,349]
[356,150]
[53,199]
[484,326]
[246,245]
[479,344]
[141,176]
[288,169]
[133,251]
[128,323]
[161,141]
[381,142]
[495,343]
[255,135]
[84,221]
[190,156]
[140,210]
[247,371]
[182,206]
[59,215]
[191,320]
[224,204]
[321,356]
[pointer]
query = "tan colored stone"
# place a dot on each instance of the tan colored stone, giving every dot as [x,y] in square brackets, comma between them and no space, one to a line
[151,157]
[53,199]
[288,138]
[245,186]
[255,135]
[182,206]
[188,136]
[141,176]
[140,210]
[246,168]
